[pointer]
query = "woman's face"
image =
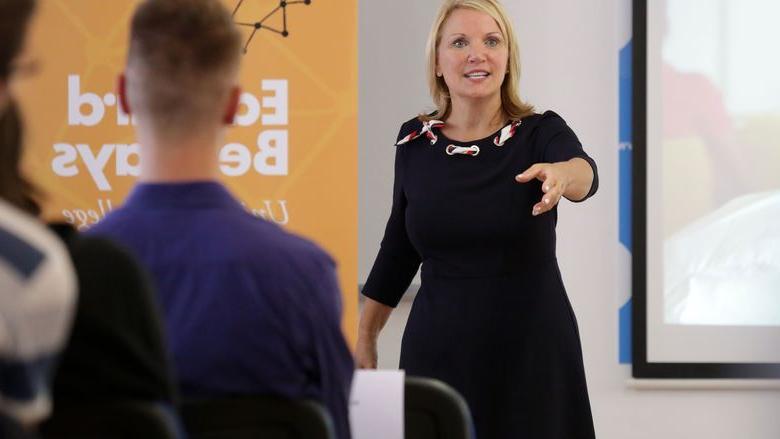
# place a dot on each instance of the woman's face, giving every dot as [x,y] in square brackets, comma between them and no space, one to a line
[472,55]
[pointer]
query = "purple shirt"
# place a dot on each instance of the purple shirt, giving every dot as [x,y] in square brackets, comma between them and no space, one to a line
[249,308]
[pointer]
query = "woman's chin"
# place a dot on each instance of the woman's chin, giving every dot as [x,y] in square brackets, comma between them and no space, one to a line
[478,94]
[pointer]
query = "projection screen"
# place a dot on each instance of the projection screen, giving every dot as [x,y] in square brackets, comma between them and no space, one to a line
[706,170]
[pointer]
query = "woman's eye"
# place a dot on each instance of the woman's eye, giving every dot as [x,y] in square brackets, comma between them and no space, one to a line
[459,43]
[492,42]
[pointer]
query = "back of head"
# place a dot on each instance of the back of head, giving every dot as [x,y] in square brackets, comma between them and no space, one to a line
[14,16]
[182,63]
[14,188]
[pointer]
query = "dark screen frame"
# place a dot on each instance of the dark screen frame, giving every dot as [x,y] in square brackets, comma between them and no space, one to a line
[641,367]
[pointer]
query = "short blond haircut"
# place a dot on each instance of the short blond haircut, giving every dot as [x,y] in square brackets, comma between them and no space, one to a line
[182,62]
[511,103]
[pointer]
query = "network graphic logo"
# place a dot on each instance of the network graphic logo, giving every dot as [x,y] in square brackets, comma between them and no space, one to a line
[258,25]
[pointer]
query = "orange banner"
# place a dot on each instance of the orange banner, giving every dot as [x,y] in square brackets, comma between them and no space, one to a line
[291,156]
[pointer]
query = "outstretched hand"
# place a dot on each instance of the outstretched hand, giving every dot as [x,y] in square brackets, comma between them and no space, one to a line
[555,180]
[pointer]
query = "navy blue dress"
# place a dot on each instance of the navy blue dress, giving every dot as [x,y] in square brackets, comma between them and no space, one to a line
[492,317]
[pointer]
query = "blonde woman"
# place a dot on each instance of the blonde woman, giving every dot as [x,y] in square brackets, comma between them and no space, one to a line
[476,187]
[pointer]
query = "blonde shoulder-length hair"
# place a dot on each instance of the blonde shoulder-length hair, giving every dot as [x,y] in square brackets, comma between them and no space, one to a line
[512,105]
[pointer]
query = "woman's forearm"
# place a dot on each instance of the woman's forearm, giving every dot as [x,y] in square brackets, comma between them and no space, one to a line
[580,179]
[373,319]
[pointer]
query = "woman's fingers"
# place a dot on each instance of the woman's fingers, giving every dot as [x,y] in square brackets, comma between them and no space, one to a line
[553,191]
[553,186]
[535,171]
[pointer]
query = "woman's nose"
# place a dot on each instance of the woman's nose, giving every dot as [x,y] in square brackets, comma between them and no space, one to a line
[475,56]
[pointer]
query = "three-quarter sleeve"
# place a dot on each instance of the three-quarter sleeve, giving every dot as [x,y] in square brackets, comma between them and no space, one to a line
[560,144]
[398,260]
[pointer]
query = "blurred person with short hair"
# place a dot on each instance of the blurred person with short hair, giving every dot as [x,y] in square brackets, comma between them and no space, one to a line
[249,308]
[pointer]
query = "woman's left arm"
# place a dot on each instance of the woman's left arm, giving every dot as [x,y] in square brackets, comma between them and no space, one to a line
[572,179]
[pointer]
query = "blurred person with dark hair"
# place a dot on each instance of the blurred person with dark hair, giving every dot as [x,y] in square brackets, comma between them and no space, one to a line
[115,349]
[37,285]
[14,18]
[14,187]
[249,308]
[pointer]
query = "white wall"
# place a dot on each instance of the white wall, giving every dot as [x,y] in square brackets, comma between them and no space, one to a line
[569,53]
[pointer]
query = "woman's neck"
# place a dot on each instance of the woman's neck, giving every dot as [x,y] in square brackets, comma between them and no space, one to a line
[474,119]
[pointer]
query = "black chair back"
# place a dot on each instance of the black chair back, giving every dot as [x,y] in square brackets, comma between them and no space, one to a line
[434,410]
[111,420]
[257,418]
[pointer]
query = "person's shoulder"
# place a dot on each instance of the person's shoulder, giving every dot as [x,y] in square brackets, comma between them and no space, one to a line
[548,119]
[314,283]
[266,242]
[38,285]
[408,129]
[104,266]
[416,128]
[27,232]
[291,269]
[299,267]
[31,249]
[301,251]
[412,123]
[94,249]
[97,256]
[541,127]
[116,220]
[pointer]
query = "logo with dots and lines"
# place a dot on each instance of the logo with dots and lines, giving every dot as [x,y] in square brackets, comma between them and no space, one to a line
[261,24]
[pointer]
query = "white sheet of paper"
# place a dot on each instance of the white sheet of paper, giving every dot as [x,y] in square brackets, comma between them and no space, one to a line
[376,404]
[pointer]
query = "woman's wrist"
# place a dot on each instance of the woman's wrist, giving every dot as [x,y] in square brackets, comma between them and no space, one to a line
[366,335]
[578,178]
